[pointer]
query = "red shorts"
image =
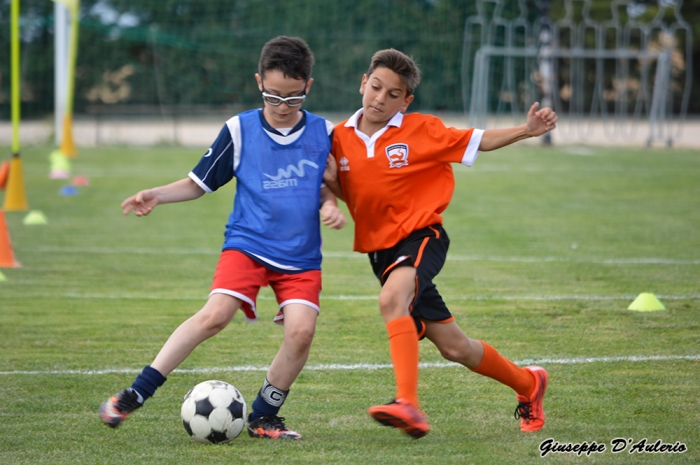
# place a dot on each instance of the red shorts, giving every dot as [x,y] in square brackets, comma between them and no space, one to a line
[241,277]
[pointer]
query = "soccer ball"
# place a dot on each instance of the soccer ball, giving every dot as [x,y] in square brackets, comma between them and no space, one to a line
[213,412]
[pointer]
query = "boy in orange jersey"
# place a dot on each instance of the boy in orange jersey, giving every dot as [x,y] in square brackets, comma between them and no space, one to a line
[394,171]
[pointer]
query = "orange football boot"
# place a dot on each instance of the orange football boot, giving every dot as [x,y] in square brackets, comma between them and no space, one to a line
[402,415]
[529,410]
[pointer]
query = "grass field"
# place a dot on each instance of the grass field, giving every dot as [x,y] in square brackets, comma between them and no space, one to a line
[549,248]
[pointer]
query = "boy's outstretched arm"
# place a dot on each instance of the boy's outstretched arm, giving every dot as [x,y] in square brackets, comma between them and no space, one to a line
[143,202]
[538,122]
[331,215]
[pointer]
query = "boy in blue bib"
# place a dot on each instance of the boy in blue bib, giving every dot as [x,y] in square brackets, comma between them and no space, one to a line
[277,155]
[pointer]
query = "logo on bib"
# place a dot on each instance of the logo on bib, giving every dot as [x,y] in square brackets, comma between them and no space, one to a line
[288,177]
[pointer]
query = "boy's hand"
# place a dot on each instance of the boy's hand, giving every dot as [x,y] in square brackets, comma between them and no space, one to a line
[141,203]
[540,121]
[332,216]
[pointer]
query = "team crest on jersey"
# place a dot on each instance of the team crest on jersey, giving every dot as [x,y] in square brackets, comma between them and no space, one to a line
[397,155]
[344,164]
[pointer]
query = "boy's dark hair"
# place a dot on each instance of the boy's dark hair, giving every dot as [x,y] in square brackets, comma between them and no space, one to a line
[401,64]
[290,55]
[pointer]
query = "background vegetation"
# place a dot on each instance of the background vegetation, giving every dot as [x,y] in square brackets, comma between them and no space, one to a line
[549,248]
[199,56]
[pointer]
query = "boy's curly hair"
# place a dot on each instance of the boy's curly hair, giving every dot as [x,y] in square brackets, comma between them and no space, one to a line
[290,55]
[400,63]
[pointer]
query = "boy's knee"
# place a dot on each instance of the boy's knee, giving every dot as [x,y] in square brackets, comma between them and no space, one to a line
[452,353]
[393,305]
[299,324]
[463,351]
[390,301]
[298,341]
[303,335]
[456,351]
[215,319]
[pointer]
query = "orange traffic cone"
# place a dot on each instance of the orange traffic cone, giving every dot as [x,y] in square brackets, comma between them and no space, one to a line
[7,258]
[15,196]
[4,173]
[67,146]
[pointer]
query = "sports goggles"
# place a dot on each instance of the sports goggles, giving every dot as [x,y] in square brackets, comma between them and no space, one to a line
[276,100]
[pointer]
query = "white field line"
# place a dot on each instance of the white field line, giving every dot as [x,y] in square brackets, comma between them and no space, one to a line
[342,297]
[456,258]
[368,366]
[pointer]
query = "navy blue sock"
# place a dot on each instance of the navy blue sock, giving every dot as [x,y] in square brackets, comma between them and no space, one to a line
[147,382]
[268,402]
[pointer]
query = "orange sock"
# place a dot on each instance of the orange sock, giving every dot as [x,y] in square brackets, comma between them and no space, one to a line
[497,367]
[403,346]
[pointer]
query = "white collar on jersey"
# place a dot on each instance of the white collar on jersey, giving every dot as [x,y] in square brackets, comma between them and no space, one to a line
[396,120]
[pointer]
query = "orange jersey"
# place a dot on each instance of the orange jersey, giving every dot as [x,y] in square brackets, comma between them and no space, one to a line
[399,180]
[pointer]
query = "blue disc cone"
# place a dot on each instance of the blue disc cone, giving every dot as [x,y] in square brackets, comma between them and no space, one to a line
[68,190]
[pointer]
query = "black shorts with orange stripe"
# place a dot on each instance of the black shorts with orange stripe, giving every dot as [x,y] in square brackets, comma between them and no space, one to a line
[426,251]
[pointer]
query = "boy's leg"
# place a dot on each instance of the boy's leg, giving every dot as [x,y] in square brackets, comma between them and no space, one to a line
[210,320]
[478,356]
[299,329]
[394,302]
[529,383]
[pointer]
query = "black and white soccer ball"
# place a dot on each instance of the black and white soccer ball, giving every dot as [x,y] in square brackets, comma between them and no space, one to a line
[213,412]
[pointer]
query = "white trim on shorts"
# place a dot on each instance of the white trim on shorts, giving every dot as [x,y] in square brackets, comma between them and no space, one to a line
[279,318]
[239,296]
[300,301]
